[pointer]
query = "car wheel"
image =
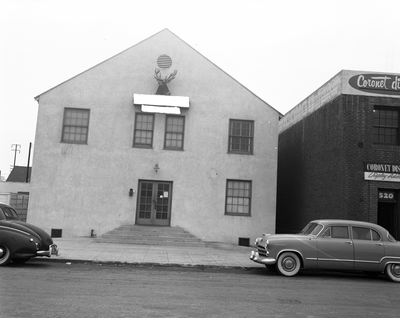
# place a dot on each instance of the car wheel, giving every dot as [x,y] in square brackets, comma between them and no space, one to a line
[4,255]
[392,272]
[288,264]
[21,260]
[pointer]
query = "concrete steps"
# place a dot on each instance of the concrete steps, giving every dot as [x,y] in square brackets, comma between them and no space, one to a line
[150,235]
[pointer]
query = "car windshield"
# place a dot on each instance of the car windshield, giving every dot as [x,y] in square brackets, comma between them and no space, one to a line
[311,229]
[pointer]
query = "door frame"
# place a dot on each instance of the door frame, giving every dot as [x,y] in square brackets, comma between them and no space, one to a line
[388,213]
[152,220]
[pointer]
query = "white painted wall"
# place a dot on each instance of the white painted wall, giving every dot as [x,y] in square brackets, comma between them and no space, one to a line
[82,187]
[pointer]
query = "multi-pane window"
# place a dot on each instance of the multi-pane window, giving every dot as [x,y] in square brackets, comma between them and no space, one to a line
[238,197]
[75,126]
[174,132]
[144,125]
[386,126]
[241,136]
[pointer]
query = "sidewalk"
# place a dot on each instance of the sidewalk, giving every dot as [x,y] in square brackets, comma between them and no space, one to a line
[85,249]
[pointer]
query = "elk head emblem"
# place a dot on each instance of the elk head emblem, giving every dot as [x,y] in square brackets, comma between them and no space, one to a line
[164,62]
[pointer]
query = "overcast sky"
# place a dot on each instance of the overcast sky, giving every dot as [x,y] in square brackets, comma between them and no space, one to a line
[280,50]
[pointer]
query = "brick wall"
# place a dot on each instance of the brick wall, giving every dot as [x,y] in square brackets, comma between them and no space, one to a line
[321,164]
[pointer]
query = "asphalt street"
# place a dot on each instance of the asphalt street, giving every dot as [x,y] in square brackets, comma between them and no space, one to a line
[42,288]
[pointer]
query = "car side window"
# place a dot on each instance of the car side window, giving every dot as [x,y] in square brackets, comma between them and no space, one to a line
[375,235]
[360,233]
[341,232]
[366,234]
[327,233]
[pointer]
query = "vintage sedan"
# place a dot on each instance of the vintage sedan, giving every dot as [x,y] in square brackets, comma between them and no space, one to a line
[331,244]
[20,241]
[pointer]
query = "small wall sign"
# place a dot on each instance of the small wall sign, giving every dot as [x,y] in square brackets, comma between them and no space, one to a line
[386,196]
[389,172]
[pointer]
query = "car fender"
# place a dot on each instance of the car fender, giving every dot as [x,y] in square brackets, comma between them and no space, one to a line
[388,260]
[299,254]
[20,243]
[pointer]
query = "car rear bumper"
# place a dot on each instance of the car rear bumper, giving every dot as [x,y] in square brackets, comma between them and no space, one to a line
[53,250]
[255,257]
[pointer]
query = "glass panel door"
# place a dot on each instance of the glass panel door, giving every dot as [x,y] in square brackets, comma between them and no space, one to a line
[154,203]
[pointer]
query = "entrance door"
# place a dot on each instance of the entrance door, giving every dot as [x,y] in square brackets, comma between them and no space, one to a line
[154,203]
[389,218]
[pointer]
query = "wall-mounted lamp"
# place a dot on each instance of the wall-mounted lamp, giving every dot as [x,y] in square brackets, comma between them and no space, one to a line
[156,167]
[131,192]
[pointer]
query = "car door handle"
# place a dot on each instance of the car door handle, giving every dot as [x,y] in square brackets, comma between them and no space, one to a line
[379,244]
[349,242]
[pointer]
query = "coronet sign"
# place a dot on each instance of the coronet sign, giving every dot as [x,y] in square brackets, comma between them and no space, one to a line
[389,172]
[376,83]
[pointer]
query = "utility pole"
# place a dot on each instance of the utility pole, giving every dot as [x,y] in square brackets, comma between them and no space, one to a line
[15,149]
[27,166]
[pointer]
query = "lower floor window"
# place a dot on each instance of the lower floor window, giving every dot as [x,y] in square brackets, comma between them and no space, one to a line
[238,197]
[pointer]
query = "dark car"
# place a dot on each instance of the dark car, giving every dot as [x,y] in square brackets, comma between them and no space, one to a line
[331,244]
[20,241]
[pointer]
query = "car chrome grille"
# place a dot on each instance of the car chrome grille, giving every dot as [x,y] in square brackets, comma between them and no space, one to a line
[261,251]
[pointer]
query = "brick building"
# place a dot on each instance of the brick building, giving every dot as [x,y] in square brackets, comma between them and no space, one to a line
[339,153]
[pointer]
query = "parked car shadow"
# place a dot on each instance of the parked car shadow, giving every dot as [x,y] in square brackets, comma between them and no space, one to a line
[326,274]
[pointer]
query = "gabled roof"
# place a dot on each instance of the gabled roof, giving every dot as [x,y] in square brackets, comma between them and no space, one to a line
[164,30]
[18,174]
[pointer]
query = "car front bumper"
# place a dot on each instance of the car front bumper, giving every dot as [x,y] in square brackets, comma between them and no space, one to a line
[255,257]
[53,250]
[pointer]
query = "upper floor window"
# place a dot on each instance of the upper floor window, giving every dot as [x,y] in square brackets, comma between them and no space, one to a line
[174,132]
[386,126]
[75,126]
[144,127]
[241,136]
[238,197]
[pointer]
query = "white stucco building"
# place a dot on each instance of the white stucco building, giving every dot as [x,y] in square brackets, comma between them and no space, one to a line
[109,151]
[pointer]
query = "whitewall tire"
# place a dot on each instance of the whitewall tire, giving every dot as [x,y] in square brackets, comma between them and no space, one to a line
[5,255]
[392,272]
[288,264]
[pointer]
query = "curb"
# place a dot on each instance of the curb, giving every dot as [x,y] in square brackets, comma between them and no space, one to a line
[141,264]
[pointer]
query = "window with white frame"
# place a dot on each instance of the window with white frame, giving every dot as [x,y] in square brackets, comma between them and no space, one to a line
[238,197]
[75,126]
[174,132]
[144,127]
[241,136]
